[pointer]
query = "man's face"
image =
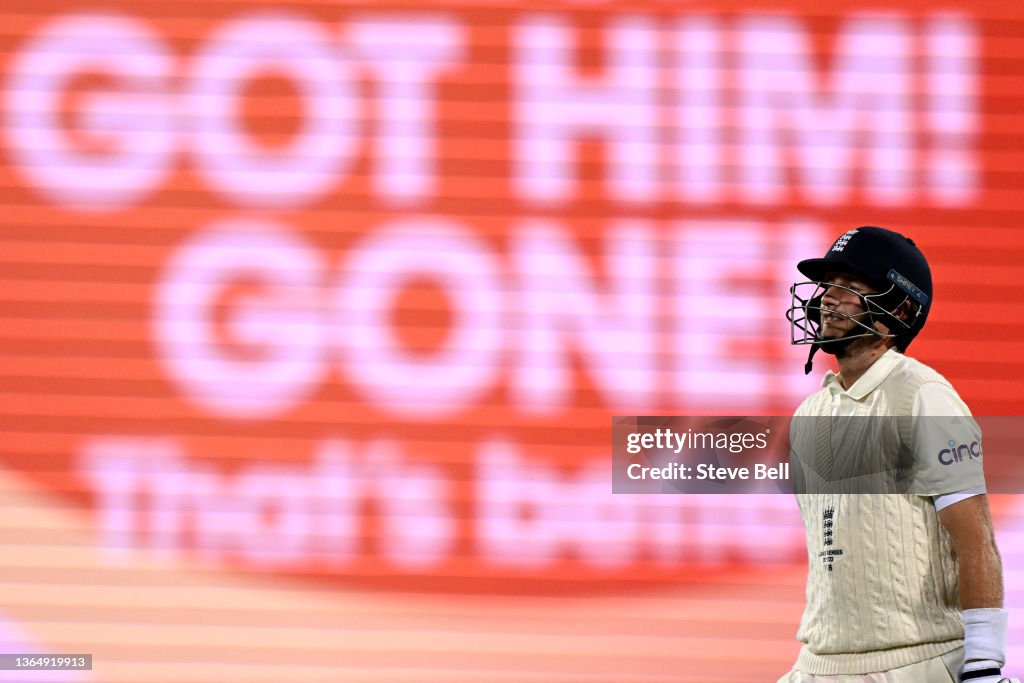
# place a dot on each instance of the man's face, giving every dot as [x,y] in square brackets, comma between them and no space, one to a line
[839,297]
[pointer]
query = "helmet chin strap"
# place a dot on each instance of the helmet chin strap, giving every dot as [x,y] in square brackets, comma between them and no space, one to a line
[836,347]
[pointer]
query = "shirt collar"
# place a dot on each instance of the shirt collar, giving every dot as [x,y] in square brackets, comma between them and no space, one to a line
[870,380]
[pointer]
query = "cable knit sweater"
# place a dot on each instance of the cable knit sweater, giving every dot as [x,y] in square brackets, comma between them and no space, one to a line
[882,585]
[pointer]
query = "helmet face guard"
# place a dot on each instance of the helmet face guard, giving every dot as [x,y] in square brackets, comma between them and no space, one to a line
[806,309]
[891,263]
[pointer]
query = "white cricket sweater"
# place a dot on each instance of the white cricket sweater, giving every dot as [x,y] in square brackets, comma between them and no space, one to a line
[882,585]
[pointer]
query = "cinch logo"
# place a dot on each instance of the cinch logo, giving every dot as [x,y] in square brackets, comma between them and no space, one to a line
[948,456]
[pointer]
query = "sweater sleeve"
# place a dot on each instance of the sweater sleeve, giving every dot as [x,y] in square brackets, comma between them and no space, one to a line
[946,443]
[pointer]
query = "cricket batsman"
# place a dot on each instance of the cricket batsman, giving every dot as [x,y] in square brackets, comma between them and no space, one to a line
[902,587]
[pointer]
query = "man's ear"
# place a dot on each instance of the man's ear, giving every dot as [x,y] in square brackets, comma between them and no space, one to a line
[903,310]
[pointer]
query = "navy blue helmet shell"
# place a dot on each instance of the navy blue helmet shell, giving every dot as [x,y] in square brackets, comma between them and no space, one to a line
[886,260]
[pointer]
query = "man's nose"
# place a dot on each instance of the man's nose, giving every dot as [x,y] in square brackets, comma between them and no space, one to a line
[831,295]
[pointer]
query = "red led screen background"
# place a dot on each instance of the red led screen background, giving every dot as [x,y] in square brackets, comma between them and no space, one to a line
[313,318]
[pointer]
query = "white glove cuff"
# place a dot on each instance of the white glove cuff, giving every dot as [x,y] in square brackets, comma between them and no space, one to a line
[985,634]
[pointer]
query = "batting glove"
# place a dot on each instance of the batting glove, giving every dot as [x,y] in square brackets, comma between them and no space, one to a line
[985,674]
[985,646]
